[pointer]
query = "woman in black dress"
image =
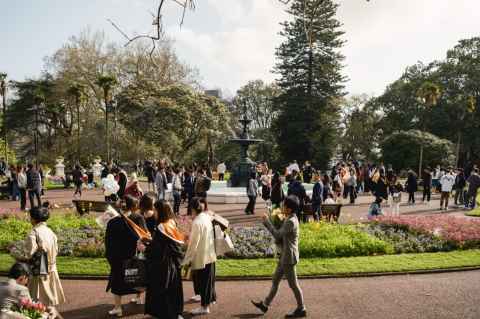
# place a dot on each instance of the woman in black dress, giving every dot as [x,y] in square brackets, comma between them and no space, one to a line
[164,298]
[146,210]
[120,246]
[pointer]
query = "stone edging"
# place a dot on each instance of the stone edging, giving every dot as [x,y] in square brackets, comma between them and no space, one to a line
[307,277]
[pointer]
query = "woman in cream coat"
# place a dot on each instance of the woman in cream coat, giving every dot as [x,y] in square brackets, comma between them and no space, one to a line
[44,288]
[201,257]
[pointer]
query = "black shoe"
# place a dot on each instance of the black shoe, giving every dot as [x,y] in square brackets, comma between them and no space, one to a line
[260,305]
[298,313]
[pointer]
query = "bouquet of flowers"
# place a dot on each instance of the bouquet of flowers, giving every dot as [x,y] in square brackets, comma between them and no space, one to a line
[277,217]
[31,310]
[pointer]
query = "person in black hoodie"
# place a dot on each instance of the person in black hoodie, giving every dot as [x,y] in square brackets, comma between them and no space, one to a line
[296,188]
[277,194]
[460,184]
[411,186]
[427,184]
[317,196]
[34,186]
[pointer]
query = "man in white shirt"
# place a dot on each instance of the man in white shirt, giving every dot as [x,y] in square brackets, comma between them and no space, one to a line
[447,182]
[221,169]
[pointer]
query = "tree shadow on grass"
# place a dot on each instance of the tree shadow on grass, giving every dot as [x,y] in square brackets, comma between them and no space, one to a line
[101,312]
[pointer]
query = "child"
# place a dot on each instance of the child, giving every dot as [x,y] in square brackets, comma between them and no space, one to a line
[396,199]
[375,209]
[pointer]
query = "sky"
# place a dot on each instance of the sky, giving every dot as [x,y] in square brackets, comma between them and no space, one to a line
[233,41]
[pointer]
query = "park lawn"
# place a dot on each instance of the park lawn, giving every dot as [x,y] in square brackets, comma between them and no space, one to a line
[307,266]
[476,211]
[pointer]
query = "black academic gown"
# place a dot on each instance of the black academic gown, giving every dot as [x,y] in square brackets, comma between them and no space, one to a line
[164,297]
[120,245]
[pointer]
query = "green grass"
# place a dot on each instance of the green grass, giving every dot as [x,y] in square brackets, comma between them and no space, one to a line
[476,211]
[307,266]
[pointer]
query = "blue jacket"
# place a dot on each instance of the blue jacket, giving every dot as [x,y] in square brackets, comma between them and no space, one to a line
[317,194]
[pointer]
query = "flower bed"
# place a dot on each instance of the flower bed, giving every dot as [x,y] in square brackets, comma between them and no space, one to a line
[458,232]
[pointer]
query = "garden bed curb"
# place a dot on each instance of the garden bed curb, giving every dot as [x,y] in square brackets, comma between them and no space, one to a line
[305,277]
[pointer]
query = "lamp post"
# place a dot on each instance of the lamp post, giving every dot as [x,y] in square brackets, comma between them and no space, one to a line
[3,92]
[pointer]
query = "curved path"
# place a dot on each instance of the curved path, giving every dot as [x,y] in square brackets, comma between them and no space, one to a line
[439,296]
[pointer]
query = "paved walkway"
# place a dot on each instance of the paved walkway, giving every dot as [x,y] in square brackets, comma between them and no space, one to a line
[234,212]
[439,296]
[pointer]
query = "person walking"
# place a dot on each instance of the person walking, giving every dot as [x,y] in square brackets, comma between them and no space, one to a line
[460,184]
[201,257]
[252,193]
[121,245]
[164,295]
[375,209]
[427,185]
[381,186]
[288,234]
[45,288]
[396,199]
[188,187]
[447,181]
[134,188]
[296,188]
[473,186]
[22,186]
[201,184]
[34,186]
[411,186]
[77,176]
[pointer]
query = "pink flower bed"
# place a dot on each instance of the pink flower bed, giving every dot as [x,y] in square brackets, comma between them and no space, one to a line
[460,230]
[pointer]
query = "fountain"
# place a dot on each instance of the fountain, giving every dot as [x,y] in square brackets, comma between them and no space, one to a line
[241,173]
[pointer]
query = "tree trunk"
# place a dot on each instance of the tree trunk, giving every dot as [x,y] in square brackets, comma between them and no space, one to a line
[107,140]
[457,153]
[420,161]
[78,128]
[4,101]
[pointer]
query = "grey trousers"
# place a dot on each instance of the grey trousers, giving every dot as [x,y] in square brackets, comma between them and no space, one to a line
[290,273]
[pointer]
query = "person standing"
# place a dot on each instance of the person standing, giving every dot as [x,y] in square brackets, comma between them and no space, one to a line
[288,234]
[164,296]
[134,188]
[296,188]
[44,288]
[120,246]
[77,180]
[277,194]
[188,187]
[307,172]
[381,187]
[202,184]
[22,186]
[34,186]
[473,186]
[411,187]
[161,182]
[427,185]
[317,196]
[252,193]
[221,169]
[266,183]
[122,182]
[149,172]
[396,199]
[446,183]
[201,256]
[460,184]
[176,190]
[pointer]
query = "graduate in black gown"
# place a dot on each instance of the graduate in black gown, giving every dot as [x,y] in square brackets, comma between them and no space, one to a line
[164,297]
[121,245]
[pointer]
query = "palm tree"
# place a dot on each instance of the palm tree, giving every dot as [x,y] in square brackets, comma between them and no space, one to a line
[3,92]
[107,82]
[428,95]
[76,91]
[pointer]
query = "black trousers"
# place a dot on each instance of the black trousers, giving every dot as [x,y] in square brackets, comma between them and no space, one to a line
[204,284]
[31,196]
[23,198]
[411,197]
[176,202]
[221,176]
[251,205]
[459,199]
[427,193]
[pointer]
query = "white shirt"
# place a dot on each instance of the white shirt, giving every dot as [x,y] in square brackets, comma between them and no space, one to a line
[221,168]
[201,245]
[447,181]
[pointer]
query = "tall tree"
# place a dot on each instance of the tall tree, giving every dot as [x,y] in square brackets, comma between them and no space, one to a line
[309,66]
[106,83]
[3,93]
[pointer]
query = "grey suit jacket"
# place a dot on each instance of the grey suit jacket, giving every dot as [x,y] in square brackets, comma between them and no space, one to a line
[11,293]
[288,234]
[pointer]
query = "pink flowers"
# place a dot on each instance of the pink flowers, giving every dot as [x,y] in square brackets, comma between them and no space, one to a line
[30,309]
[461,230]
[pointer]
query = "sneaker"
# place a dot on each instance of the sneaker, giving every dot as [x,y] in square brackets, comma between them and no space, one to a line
[298,313]
[137,301]
[117,312]
[200,311]
[196,298]
[260,305]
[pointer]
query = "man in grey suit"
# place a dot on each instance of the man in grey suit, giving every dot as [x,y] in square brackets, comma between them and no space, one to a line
[288,234]
[14,289]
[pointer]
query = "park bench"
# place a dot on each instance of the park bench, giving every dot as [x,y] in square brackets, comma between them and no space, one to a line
[87,206]
[331,211]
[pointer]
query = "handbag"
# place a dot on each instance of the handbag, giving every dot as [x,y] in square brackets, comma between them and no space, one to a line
[39,260]
[223,242]
[135,272]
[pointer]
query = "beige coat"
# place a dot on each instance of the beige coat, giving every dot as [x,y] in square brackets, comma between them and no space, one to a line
[201,244]
[46,289]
